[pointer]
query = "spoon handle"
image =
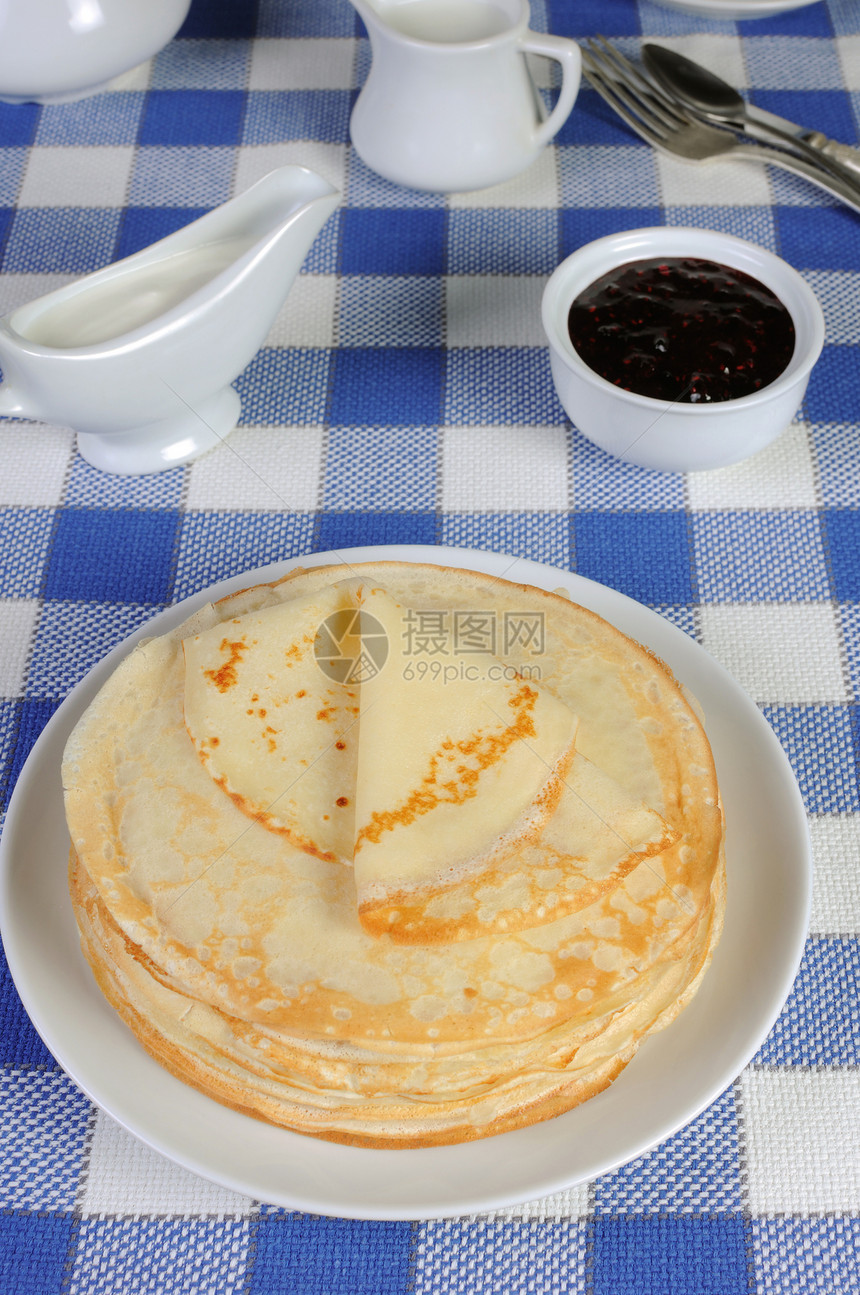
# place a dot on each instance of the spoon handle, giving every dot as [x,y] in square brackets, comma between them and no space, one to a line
[846,191]
[805,145]
[844,154]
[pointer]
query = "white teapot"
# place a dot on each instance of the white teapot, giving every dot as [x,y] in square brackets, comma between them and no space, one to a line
[449,104]
[55,51]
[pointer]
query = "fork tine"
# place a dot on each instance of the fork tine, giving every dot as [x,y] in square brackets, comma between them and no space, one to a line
[619,101]
[639,113]
[634,74]
[639,91]
[623,66]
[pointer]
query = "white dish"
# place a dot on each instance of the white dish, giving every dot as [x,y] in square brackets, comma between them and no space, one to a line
[677,435]
[54,51]
[675,1075]
[735,10]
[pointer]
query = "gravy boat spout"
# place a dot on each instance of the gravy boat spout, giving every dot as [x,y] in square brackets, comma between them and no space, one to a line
[138,358]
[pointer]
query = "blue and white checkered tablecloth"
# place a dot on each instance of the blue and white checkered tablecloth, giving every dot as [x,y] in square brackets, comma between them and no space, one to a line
[404,396]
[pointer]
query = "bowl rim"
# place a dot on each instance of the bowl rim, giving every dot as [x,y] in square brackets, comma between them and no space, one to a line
[594,258]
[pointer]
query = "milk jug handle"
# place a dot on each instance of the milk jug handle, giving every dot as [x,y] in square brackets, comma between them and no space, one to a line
[566,52]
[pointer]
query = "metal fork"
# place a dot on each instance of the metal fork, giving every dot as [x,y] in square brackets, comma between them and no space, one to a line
[651,113]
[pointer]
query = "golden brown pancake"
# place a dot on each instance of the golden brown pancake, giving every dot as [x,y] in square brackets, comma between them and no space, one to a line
[510,990]
[371,1096]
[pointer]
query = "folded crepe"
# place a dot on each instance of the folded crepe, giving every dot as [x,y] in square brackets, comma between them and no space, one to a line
[274,732]
[379,976]
[451,777]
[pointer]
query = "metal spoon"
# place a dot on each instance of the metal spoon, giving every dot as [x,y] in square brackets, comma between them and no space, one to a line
[713,98]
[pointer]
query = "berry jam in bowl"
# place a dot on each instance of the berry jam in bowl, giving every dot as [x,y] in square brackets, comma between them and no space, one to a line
[680,348]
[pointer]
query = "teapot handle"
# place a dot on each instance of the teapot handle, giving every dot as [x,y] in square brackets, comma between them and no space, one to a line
[566,52]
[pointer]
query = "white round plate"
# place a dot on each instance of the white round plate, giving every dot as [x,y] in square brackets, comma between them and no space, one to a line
[675,1075]
[735,10]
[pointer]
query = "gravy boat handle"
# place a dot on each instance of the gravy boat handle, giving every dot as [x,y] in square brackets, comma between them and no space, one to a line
[566,52]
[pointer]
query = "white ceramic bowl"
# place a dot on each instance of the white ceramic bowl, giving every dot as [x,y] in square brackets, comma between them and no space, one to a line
[56,51]
[678,437]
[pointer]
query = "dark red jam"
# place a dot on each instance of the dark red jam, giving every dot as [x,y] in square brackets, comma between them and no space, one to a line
[681,328]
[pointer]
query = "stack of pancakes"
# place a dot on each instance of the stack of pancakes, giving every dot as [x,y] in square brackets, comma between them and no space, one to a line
[394,855]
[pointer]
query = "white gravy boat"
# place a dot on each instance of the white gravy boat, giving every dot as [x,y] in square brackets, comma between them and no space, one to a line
[138,357]
[449,104]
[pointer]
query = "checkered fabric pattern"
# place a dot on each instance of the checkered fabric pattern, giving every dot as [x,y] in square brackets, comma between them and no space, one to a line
[404,395]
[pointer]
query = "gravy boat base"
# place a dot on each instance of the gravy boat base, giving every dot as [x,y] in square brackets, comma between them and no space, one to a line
[166,443]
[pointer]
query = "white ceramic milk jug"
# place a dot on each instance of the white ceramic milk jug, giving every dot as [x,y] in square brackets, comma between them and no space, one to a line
[138,357]
[449,104]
